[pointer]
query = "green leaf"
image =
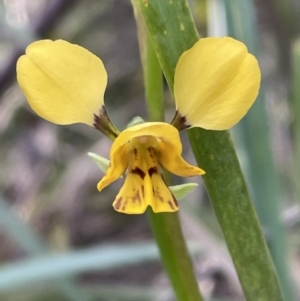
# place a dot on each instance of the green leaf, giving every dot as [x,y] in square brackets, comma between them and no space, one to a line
[50,267]
[254,139]
[94,259]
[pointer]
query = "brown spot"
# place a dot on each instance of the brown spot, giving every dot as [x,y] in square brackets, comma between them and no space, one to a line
[96,122]
[156,193]
[124,205]
[171,205]
[135,153]
[152,170]
[150,152]
[118,203]
[159,197]
[136,197]
[143,191]
[104,125]
[138,172]
[180,122]
[175,201]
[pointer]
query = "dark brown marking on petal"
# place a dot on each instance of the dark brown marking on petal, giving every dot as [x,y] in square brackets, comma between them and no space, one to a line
[143,191]
[135,153]
[171,205]
[159,196]
[124,205]
[118,203]
[152,170]
[104,125]
[175,201]
[138,172]
[156,193]
[150,152]
[180,122]
[96,122]
[136,197]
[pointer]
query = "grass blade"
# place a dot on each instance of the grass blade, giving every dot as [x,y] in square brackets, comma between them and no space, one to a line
[254,136]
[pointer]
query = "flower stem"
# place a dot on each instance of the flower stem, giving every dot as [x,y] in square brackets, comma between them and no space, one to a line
[166,226]
[174,255]
[153,84]
[173,31]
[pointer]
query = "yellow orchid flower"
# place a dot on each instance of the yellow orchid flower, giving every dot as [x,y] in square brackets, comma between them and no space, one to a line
[215,84]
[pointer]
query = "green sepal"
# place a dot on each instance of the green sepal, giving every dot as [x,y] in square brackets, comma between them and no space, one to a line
[102,162]
[181,191]
[135,121]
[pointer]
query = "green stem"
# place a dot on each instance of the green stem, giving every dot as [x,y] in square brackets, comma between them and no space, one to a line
[166,226]
[175,256]
[173,31]
[153,84]
[236,214]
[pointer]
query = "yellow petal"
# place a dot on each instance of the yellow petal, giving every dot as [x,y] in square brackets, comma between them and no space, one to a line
[117,167]
[143,187]
[164,200]
[135,194]
[63,83]
[216,82]
[172,161]
[160,130]
[142,148]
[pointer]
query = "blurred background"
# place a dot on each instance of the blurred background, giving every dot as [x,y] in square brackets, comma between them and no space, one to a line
[60,239]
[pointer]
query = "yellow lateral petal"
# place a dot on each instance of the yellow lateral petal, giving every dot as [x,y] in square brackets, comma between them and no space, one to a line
[216,82]
[136,193]
[134,197]
[164,200]
[143,187]
[63,83]
[160,130]
[117,167]
[174,163]
[144,184]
